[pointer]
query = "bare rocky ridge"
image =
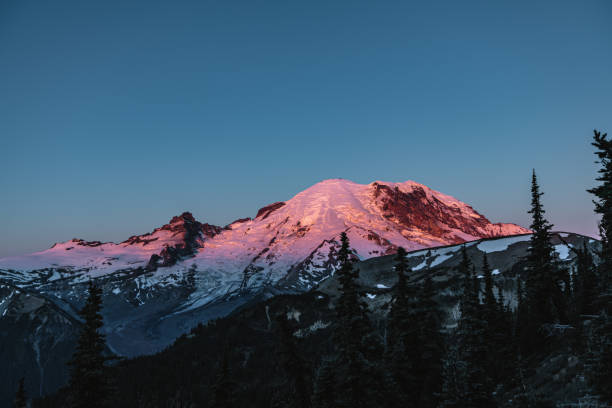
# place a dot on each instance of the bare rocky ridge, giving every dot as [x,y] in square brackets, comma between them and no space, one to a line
[268,209]
[416,209]
[191,235]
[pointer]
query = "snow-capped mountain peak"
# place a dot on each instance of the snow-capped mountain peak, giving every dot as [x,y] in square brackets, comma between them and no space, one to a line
[290,243]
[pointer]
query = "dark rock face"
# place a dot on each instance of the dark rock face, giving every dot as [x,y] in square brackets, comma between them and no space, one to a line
[186,225]
[87,243]
[238,221]
[417,210]
[138,239]
[182,225]
[269,209]
[383,242]
[192,234]
[81,242]
[153,263]
[184,217]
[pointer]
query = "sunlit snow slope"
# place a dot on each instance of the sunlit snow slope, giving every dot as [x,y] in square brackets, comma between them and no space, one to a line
[291,244]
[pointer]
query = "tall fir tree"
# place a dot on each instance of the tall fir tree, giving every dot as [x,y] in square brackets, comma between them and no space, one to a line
[466,381]
[89,385]
[495,326]
[356,342]
[508,349]
[21,398]
[602,353]
[521,319]
[431,346]
[585,282]
[491,307]
[543,295]
[415,345]
[453,376]
[403,348]
[603,205]
[473,349]
[465,265]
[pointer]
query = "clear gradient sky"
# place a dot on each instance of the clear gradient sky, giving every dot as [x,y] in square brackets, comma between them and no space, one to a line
[115,115]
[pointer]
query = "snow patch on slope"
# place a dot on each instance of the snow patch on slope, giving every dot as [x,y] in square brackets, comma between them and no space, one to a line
[497,245]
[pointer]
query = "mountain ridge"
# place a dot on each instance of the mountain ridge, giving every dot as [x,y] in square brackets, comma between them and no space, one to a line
[419,191]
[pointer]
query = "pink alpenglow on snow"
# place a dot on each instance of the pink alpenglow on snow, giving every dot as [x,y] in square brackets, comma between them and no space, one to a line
[295,236]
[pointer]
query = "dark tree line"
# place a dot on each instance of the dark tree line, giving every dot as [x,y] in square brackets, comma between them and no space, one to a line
[601,346]
[89,386]
[402,368]
[487,354]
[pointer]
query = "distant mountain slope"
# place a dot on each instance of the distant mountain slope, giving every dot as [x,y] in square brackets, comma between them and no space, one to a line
[36,340]
[181,237]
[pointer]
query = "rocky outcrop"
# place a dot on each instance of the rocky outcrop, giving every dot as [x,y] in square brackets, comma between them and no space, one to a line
[416,209]
[264,212]
[190,234]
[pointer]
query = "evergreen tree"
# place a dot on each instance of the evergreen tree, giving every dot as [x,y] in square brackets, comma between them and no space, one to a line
[521,318]
[465,266]
[544,298]
[466,381]
[351,309]
[432,347]
[585,282]
[520,340]
[294,365]
[453,377]
[223,388]
[473,349]
[415,345]
[355,340]
[21,398]
[89,386]
[508,347]
[603,205]
[495,326]
[602,375]
[403,348]
[601,358]
[567,291]
[491,307]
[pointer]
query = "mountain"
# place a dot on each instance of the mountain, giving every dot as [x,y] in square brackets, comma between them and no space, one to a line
[159,285]
[378,217]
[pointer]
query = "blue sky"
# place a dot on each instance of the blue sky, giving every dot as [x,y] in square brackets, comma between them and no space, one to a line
[115,116]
